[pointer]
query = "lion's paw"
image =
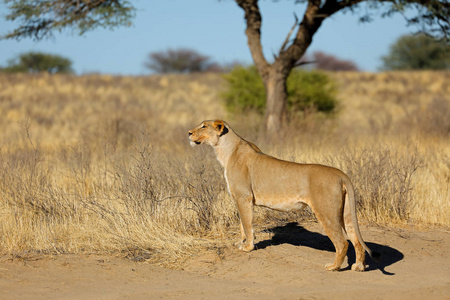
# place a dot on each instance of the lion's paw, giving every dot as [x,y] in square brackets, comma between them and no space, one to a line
[332,267]
[244,247]
[359,266]
[248,248]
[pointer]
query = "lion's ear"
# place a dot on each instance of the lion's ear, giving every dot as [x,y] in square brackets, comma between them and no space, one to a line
[220,127]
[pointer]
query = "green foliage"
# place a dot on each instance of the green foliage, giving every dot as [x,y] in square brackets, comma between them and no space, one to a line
[430,17]
[306,90]
[39,18]
[311,90]
[245,90]
[35,62]
[417,52]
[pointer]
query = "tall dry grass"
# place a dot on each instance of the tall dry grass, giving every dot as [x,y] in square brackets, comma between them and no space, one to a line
[102,164]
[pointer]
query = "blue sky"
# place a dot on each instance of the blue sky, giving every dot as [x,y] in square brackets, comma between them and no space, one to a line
[213,28]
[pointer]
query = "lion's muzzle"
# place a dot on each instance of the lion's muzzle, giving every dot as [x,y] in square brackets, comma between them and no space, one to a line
[191,139]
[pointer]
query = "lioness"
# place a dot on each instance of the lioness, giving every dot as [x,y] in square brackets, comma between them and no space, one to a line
[254,178]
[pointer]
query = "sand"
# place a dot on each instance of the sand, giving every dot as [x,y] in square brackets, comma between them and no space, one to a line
[288,264]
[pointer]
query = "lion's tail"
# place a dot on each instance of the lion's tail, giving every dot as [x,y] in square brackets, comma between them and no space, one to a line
[350,197]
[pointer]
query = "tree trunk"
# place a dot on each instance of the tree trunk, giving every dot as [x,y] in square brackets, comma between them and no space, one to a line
[276,101]
[275,75]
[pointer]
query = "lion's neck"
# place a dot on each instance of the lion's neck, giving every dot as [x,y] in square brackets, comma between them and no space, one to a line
[226,146]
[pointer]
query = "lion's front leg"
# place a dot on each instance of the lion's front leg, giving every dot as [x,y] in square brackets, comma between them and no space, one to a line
[245,207]
[243,238]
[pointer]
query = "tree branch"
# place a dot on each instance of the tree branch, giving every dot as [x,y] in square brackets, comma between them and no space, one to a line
[286,41]
[40,18]
[306,29]
[253,33]
[314,15]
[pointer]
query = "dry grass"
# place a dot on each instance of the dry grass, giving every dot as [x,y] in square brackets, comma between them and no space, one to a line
[102,164]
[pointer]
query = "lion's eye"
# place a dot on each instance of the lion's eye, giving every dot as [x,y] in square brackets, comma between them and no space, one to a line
[203,126]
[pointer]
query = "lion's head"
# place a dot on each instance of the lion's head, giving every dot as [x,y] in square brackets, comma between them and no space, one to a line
[208,132]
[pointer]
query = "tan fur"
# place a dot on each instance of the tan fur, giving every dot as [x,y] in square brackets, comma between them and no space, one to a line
[254,178]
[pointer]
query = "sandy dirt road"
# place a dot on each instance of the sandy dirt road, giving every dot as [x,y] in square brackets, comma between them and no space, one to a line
[288,264]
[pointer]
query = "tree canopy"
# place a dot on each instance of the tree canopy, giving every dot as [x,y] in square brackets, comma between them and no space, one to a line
[180,61]
[417,52]
[35,62]
[39,18]
[329,62]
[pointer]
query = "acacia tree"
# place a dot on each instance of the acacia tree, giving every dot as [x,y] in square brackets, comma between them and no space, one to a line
[328,62]
[417,52]
[40,17]
[432,14]
[179,61]
[35,62]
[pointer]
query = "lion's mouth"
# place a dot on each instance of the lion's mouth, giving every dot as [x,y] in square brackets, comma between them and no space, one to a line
[194,143]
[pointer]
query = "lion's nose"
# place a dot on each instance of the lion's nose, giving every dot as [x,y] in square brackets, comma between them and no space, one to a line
[190,133]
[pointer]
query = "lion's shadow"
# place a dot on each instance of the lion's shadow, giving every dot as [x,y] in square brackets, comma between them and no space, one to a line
[294,234]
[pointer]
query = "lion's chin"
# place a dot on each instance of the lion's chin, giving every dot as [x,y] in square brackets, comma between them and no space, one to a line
[193,144]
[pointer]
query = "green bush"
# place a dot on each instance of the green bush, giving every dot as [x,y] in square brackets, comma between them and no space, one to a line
[245,90]
[311,90]
[306,90]
[35,62]
[417,52]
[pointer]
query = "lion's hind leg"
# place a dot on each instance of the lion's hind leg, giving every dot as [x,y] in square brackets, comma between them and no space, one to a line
[360,264]
[341,246]
[333,226]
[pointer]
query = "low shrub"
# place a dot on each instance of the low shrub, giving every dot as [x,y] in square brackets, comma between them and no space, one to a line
[306,90]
